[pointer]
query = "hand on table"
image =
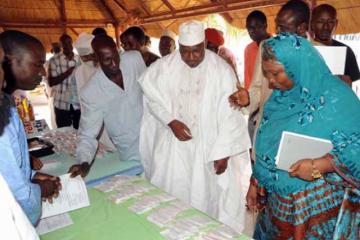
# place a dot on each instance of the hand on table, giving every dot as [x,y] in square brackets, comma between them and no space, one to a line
[239,99]
[79,169]
[35,163]
[180,130]
[221,165]
[50,186]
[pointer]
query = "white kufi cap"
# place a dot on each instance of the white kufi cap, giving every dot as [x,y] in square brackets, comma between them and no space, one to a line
[168,33]
[191,33]
[83,44]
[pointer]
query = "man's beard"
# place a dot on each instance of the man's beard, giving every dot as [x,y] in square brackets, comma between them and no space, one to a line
[5,113]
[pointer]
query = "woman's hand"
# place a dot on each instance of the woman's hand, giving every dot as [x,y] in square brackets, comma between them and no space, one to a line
[302,169]
[251,198]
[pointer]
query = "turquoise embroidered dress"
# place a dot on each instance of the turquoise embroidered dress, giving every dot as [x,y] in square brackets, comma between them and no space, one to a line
[319,105]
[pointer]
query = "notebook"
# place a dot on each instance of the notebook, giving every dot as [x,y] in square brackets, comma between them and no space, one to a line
[294,147]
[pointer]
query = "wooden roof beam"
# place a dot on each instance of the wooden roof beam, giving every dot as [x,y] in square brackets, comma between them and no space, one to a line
[225,15]
[74,31]
[122,7]
[240,6]
[169,6]
[144,7]
[63,15]
[109,11]
[75,24]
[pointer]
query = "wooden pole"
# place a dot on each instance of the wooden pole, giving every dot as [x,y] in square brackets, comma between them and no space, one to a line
[117,34]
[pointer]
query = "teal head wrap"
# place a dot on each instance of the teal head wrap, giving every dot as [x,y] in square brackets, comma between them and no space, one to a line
[319,105]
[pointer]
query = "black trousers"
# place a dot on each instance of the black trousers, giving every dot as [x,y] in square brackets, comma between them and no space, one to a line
[67,118]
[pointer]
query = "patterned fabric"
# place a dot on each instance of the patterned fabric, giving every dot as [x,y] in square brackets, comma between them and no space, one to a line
[319,105]
[65,93]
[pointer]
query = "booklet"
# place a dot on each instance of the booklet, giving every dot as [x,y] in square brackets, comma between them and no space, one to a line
[334,57]
[73,195]
[294,147]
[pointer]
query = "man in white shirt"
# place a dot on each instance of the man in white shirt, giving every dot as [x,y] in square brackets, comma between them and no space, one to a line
[113,97]
[199,151]
[87,68]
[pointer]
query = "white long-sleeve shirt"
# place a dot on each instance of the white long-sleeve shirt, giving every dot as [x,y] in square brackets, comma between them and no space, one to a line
[119,110]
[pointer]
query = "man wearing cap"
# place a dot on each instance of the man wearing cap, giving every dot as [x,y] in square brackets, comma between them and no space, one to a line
[214,39]
[87,69]
[167,42]
[199,151]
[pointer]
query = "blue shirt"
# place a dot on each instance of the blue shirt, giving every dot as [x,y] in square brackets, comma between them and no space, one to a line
[15,167]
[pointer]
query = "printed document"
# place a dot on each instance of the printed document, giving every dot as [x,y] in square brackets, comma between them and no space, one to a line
[73,195]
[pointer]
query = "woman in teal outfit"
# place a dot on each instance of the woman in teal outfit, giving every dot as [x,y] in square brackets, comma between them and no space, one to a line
[317,198]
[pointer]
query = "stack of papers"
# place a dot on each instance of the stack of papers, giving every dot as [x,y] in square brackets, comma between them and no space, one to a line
[148,202]
[72,196]
[164,210]
[164,215]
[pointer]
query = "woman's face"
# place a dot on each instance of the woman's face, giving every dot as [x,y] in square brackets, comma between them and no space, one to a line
[276,75]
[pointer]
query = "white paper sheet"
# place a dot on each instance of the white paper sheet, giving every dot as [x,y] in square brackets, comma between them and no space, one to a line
[53,223]
[72,196]
[294,147]
[334,57]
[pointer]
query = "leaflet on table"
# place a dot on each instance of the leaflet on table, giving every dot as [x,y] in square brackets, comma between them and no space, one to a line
[294,147]
[149,202]
[73,195]
[50,165]
[334,57]
[53,223]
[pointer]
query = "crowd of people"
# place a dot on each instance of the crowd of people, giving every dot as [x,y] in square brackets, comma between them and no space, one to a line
[180,115]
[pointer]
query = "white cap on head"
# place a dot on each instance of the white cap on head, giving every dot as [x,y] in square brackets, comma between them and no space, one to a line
[191,33]
[169,33]
[83,44]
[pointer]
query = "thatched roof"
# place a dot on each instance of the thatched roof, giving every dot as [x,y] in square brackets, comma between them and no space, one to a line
[48,19]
